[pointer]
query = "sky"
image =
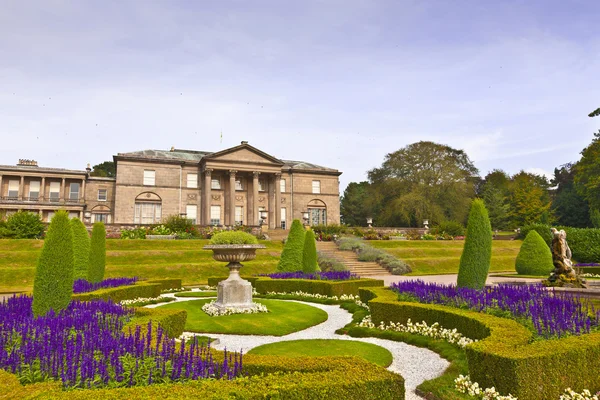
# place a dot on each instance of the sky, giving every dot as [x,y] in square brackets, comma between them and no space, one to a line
[340,83]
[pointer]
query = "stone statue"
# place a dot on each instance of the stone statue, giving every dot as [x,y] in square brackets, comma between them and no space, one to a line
[564,274]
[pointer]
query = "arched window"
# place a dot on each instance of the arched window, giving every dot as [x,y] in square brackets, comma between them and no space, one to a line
[317,212]
[101,213]
[148,208]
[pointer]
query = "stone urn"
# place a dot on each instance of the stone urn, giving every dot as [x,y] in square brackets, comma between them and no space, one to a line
[234,291]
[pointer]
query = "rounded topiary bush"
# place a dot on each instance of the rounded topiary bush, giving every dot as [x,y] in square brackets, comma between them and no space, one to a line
[309,254]
[81,248]
[534,257]
[97,262]
[542,229]
[233,237]
[476,257]
[53,282]
[291,256]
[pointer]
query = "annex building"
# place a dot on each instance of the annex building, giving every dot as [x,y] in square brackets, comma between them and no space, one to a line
[240,185]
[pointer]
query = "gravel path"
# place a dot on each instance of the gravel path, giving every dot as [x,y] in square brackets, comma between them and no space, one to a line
[415,364]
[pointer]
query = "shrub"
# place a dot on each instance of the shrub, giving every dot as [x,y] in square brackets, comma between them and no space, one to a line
[542,229]
[535,257]
[369,253]
[291,256]
[135,233]
[327,263]
[160,230]
[451,228]
[81,248]
[233,237]
[477,253]
[309,254]
[331,229]
[97,262]
[53,282]
[24,225]
[179,224]
[584,243]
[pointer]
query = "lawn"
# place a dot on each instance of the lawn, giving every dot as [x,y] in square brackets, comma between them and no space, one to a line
[284,317]
[204,293]
[148,259]
[323,347]
[431,257]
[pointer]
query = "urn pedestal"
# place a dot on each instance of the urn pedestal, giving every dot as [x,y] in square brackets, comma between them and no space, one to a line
[234,291]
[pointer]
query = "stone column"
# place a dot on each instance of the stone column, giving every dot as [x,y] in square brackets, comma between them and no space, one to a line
[272,207]
[207,195]
[22,188]
[62,190]
[1,191]
[231,214]
[254,216]
[82,194]
[43,189]
[277,201]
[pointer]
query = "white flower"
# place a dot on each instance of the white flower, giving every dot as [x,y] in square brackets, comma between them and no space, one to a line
[214,311]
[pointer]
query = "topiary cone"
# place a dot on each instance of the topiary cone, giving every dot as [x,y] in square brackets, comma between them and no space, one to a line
[534,258]
[309,255]
[476,257]
[291,256]
[81,248]
[97,253]
[53,282]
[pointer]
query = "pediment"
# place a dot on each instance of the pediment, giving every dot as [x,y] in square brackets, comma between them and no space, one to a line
[244,153]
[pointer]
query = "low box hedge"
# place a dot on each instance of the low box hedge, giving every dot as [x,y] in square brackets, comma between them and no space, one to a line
[167,284]
[264,285]
[130,292]
[171,321]
[589,270]
[343,378]
[505,357]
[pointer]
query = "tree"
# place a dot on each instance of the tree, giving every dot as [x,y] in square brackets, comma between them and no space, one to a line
[53,282]
[81,248]
[355,204]
[476,257]
[424,180]
[534,257]
[291,256]
[595,113]
[309,254]
[529,198]
[569,207]
[97,262]
[106,169]
[587,173]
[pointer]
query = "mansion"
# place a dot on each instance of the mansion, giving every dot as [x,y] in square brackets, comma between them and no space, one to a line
[237,186]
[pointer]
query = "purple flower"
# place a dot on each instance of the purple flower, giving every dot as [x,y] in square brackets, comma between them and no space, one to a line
[330,276]
[83,286]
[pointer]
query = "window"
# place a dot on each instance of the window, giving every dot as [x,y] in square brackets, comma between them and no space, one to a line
[283,224]
[50,215]
[97,217]
[192,181]
[102,194]
[149,177]
[215,183]
[34,190]
[191,211]
[238,184]
[147,213]
[74,191]
[215,215]
[239,215]
[73,215]
[13,190]
[282,186]
[316,187]
[262,185]
[54,191]
[318,216]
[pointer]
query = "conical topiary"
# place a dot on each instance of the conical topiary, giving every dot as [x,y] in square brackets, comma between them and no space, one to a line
[309,255]
[81,248]
[476,257]
[291,256]
[97,253]
[53,282]
[534,257]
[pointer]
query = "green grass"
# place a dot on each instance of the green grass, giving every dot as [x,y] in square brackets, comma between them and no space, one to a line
[147,259]
[284,317]
[443,256]
[322,347]
[206,293]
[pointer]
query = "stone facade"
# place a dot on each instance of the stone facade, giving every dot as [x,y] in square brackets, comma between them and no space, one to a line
[240,185]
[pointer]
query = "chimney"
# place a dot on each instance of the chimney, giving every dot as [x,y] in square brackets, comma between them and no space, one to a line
[27,163]
[88,168]
[244,142]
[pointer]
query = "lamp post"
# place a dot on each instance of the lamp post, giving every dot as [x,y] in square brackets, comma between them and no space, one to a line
[305,218]
[370,221]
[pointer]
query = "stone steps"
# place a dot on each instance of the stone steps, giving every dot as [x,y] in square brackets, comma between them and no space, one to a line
[350,260]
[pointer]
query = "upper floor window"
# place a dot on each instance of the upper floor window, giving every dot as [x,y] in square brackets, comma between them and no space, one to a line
[215,183]
[262,186]
[34,190]
[316,187]
[13,189]
[102,194]
[282,186]
[238,184]
[54,191]
[192,181]
[149,177]
[74,191]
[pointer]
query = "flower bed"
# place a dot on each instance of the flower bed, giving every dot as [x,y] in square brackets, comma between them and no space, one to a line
[552,314]
[328,276]
[214,311]
[83,286]
[85,346]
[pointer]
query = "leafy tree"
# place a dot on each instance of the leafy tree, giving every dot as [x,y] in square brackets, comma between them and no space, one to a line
[529,198]
[97,262]
[499,210]
[291,256]
[24,225]
[476,257]
[355,204]
[587,173]
[595,113]
[424,180]
[53,282]
[595,218]
[81,248]
[569,207]
[309,254]
[106,169]
[534,257]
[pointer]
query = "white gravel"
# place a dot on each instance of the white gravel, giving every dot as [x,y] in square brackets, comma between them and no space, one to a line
[415,364]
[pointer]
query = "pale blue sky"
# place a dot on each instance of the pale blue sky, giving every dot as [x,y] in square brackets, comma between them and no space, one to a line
[337,83]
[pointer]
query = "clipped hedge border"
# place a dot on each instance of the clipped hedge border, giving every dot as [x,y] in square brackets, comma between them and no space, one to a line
[343,378]
[167,284]
[263,285]
[171,321]
[144,289]
[504,358]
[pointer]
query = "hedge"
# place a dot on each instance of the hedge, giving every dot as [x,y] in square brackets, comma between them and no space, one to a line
[166,284]
[310,378]
[97,263]
[291,256]
[505,357]
[117,294]
[534,257]
[328,288]
[81,248]
[171,321]
[584,243]
[309,254]
[476,257]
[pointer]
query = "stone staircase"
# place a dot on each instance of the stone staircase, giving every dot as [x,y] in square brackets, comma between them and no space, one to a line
[276,235]
[350,260]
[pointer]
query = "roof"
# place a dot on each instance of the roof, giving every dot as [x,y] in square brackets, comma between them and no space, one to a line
[29,168]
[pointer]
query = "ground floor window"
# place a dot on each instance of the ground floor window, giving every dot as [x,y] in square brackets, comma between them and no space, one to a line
[283,224]
[101,217]
[318,216]
[191,212]
[147,213]
[239,215]
[215,215]
[73,214]
[50,215]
